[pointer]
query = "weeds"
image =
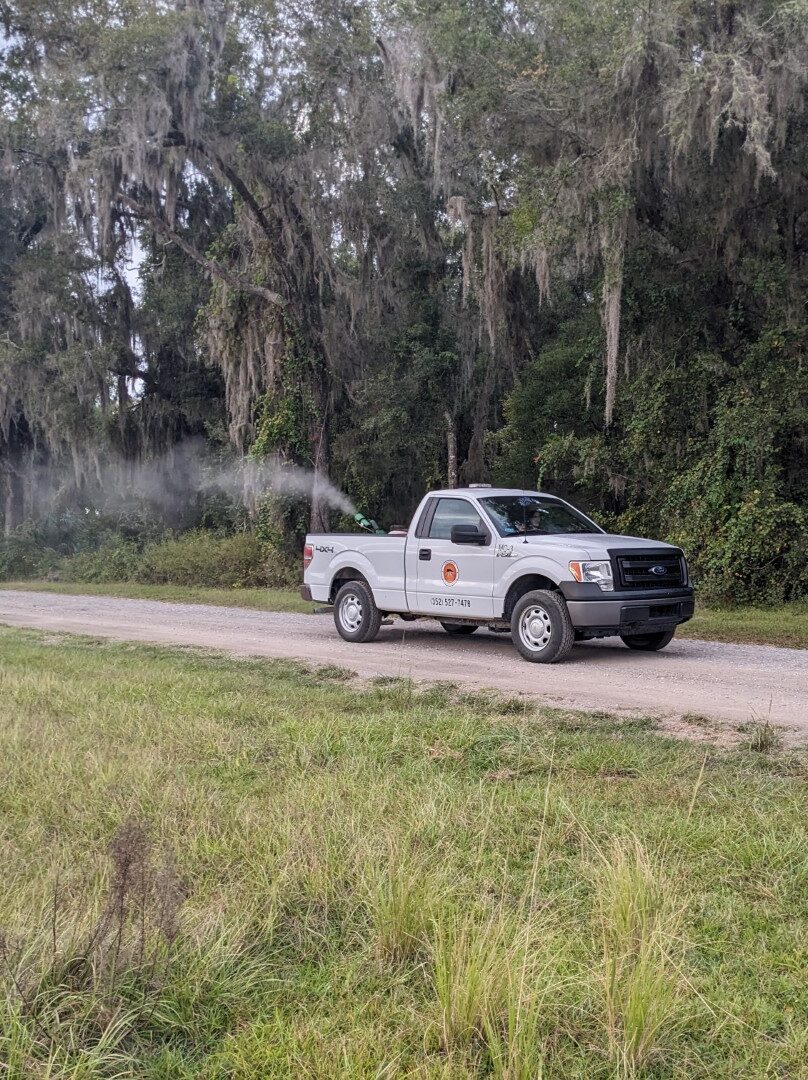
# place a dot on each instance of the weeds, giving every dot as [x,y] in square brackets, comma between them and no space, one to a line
[401,895]
[87,981]
[697,787]
[363,904]
[473,968]
[765,738]
[334,673]
[639,926]
[514,1044]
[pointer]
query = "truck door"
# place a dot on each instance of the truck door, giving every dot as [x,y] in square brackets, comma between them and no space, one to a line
[453,579]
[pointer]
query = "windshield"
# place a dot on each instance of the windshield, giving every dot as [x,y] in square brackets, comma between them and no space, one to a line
[535,515]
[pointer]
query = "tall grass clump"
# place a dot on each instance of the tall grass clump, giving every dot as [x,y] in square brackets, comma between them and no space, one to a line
[639,926]
[319,868]
[401,893]
[471,972]
[492,983]
[765,738]
[514,1036]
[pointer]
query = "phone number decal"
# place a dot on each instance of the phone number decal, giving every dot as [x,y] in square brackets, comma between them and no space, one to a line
[450,601]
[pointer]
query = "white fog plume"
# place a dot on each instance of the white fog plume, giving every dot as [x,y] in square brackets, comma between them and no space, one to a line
[172,481]
[293,480]
[248,481]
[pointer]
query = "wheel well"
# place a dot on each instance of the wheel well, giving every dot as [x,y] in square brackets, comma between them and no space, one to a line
[524,585]
[342,577]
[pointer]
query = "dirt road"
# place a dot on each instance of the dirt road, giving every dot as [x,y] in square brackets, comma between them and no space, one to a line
[729,684]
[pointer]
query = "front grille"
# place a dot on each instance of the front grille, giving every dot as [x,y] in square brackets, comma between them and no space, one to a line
[649,570]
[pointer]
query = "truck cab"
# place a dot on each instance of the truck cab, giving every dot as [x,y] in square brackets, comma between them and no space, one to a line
[511,559]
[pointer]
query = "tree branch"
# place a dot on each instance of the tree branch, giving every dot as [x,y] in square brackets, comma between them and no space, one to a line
[213,269]
[272,230]
[238,184]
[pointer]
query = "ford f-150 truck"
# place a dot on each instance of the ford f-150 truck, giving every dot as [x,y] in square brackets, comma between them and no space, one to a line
[512,560]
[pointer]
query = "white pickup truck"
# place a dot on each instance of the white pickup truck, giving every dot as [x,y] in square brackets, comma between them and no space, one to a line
[511,560]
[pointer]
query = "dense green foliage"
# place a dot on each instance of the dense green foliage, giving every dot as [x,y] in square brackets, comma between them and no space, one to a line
[196,558]
[199,557]
[406,243]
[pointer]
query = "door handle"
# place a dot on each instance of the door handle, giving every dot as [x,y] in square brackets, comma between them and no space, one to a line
[425,554]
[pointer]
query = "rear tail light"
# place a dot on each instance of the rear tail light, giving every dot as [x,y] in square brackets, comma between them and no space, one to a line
[308,555]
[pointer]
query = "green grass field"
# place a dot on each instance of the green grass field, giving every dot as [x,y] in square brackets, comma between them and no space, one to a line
[219,868]
[787,625]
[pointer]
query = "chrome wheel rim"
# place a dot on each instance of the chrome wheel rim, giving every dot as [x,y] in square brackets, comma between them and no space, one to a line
[350,612]
[535,628]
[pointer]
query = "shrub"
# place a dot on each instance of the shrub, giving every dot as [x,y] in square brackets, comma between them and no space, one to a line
[200,558]
[114,560]
[753,552]
[280,526]
[22,558]
[242,560]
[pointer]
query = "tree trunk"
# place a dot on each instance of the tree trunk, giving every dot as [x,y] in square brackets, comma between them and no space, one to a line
[614,242]
[474,470]
[451,451]
[320,517]
[9,521]
[319,438]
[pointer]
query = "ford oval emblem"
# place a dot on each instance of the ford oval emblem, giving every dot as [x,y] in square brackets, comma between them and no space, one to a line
[659,570]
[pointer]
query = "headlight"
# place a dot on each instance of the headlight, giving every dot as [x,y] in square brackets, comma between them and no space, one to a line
[599,573]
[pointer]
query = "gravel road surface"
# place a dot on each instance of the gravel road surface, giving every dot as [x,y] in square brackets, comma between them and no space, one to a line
[729,684]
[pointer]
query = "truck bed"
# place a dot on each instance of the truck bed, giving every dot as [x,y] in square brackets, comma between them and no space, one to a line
[379,558]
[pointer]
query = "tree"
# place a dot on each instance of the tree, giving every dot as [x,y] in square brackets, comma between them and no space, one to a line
[402,243]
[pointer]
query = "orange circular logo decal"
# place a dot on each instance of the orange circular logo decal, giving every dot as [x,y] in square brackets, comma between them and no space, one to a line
[450,573]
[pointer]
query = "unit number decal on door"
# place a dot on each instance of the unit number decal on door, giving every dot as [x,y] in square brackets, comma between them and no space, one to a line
[450,573]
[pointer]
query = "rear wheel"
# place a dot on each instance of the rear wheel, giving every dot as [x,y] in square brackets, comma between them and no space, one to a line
[457,629]
[541,627]
[648,642]
[355,613]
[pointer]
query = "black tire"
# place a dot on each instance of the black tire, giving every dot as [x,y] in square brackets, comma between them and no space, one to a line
[541,618]
[648,642]
[356,616]
[457,629]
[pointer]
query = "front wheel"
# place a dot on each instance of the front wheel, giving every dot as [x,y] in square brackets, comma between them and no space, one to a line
[457,629]
[355,613]
[648,642]
[541,627]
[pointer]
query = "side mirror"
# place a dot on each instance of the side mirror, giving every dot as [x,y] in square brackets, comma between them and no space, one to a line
[468,534]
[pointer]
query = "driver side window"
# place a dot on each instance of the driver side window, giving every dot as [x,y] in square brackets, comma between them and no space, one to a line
[451,512]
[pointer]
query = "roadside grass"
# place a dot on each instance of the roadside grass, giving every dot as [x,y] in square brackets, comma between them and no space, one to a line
[258,599]
[786,626]
[239,868]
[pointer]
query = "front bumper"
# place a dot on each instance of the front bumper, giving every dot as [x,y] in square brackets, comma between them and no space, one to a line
[626,612]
